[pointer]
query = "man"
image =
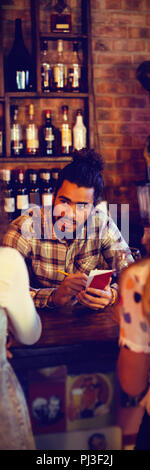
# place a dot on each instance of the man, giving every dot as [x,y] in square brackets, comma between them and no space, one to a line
[72,236]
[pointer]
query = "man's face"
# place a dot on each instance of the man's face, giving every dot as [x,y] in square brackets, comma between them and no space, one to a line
[72,206]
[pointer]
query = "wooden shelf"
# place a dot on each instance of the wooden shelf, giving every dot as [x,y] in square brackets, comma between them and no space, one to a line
[24,159]
[48,95]
[65,36]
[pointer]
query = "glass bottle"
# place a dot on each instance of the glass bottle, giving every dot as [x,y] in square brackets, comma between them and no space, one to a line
[22,199]
[1,143]
[33,188]
[55,176]
[74,71]
[9,195]
[66,134]
[59,69]
[79,132]
[46,188]
[49,135]
[16,134]
[32,140]
[18,66]
[45,68]
[61,17]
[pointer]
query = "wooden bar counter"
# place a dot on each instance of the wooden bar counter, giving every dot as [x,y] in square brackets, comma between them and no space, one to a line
[75,336]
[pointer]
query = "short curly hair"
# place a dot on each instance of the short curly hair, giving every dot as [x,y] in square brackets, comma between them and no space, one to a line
[85,170]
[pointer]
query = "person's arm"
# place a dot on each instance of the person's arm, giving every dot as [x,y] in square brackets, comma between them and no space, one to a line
[15,297]
[133,371]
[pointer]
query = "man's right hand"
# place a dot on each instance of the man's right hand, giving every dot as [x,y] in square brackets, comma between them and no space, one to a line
[70,287]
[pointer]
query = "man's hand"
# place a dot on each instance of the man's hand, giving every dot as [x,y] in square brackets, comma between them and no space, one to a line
[95,298]
[70,287]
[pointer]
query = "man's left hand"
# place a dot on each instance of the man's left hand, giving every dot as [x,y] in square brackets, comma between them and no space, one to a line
[95,298]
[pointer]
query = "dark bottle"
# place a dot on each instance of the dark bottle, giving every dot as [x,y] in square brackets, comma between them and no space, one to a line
[9,195]
[61,17]
[49,136]
[18,66]
[46,71]
[22,199]
[46,188]
[33,188]
[55,176]
[16,134]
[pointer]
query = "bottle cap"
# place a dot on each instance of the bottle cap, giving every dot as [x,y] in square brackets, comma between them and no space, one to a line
[65,108]
[79,112]
[48,113]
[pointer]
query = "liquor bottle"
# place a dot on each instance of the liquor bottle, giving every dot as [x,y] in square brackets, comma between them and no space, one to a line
[61,17]
[74,71]
[45,68]
[79,132]
[66,134]
[33,188]
[49,135]
[16,134]
[59,69]
[18,67]
[32,141]
[55,176]
[9,195]
[46,188]
[22,199]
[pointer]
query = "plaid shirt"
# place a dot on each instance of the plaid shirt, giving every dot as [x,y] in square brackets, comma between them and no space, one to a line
[34,237]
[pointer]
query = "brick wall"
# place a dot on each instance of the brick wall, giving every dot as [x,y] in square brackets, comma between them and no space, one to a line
[120,42]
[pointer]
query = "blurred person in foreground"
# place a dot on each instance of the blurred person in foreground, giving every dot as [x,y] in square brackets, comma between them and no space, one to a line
[19,318]
[134,356]
[71,236]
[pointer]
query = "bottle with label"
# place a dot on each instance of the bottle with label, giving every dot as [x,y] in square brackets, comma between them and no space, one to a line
[45,68]
[22,199]
[59,69]
[18,67]
[46,188]
[55,176]
[16,135]
[61,17]
[32,140]
[79,132]
[33,188]
[66,134]
[74,71]
[9,195]
[49,135]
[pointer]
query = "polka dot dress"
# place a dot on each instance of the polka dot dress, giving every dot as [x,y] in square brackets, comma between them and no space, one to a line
[134,321]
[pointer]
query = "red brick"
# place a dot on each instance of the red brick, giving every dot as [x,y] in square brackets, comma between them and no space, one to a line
[113,86]
[133,4]
[135,33]
[109,155]
[105,115]
[117,140]
[132,128]
[138,59]
[105,102]
[104,72]
[106,128]
[142,116]
[113,4]
[130,102]
[122,18]
[102,45]
[110,32]
[124,73]
[116,59]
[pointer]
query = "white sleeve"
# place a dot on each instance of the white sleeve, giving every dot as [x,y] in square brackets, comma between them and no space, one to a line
[15,297]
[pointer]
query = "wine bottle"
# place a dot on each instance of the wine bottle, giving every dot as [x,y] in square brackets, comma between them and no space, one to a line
[74,71]
[66,134]
[45,68]
[61,17]
[55,176]
[32,140]
[18,67]
[79,132]
[16,134]
[46,188]
[49,135]
[9,195]
[22,199]
[33,188]
[59,69]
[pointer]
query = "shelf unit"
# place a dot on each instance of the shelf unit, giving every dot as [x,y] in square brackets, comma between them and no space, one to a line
[44,100]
